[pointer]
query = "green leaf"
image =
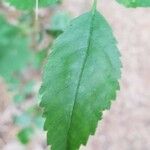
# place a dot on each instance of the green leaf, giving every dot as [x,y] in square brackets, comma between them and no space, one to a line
[25,135]
[14,50]
[23,92]
[59,22]
[40,57]
[24,120]
[30,4]
[135,3]
[79,81]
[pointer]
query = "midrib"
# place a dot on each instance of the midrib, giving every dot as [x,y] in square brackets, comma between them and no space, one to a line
[80,77]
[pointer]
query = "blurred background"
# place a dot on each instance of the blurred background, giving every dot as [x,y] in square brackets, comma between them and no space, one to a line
[24,45]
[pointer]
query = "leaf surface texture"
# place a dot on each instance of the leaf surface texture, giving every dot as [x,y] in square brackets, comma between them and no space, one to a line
[79,81]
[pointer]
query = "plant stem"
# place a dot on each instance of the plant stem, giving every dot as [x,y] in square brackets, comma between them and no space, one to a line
[94,6]
[36,9]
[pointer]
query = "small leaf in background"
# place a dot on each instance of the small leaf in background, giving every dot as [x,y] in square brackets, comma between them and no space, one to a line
[30,117]
[18,98]
[25,135]
[31,4]
[80,80]
[135,3]
[59,22]
[15,53]
[40,57]
[28,121]
[24,92]
[24,120]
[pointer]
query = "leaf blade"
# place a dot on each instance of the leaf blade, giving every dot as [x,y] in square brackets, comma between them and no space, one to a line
[10,48]
[78,68]
[30,4]
[135,3]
